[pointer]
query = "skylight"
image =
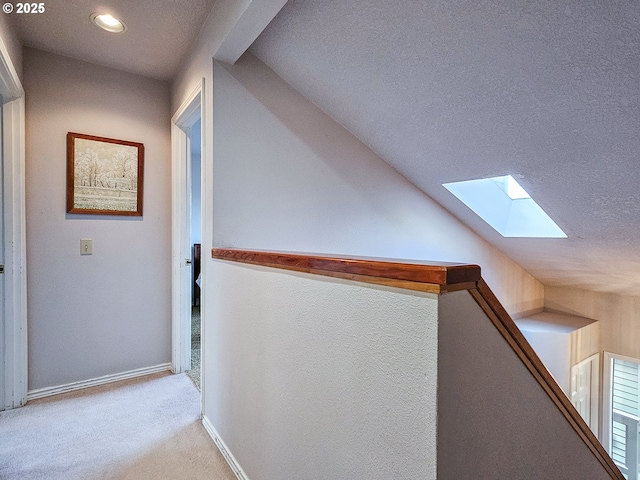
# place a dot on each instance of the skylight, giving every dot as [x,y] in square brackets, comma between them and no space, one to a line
[506,206]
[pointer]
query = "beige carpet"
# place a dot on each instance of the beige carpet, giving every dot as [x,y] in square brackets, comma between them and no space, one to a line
[145,428]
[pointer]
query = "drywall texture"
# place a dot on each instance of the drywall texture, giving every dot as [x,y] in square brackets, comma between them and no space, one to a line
[494,419]
[617,330]
[108,312]
[287,177]
[554,349]
[309,377]
[296,180]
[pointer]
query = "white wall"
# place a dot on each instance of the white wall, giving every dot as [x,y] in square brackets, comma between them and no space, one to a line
[316,378]
[109,312]
[293,159]
[554,349]
[494,419]
[287,177]
[280,174]
[323,378]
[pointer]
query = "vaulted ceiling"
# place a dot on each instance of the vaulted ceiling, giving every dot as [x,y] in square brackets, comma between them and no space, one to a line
[548,92]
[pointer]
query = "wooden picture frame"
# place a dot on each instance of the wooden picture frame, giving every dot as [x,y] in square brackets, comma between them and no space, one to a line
[104,175]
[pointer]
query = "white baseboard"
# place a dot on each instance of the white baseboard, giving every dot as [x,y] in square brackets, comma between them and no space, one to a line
[228,456]
[92,382]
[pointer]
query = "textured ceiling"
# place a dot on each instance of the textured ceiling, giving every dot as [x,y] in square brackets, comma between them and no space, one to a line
[445,91]
[158,36]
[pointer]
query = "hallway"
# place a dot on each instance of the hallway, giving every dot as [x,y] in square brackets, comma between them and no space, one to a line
[144,428]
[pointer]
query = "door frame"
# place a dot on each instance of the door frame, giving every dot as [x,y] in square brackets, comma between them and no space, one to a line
[13,331]
[186,116]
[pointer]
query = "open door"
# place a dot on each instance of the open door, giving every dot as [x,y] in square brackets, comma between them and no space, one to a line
[188,117]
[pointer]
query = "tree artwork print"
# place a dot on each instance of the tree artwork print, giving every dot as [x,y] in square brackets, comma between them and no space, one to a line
[104,175]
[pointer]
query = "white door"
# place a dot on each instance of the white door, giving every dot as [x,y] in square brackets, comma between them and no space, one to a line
[186,117]
[581,390]
[584,390]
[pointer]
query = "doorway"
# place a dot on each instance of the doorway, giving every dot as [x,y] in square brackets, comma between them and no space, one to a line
[195,233]
[187,150]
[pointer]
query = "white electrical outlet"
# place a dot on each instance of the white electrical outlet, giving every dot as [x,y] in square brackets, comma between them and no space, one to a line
[86,246]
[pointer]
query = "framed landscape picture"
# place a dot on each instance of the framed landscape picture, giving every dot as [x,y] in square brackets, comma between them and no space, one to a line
[104,175]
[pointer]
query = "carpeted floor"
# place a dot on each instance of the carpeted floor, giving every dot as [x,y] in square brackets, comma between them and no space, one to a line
[194,373]
[144,428]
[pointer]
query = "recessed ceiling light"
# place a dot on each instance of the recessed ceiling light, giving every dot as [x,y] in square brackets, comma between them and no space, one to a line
[108,22]
[506,206]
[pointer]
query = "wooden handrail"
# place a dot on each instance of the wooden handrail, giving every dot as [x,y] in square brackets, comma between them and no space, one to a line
[434,277]
[414,275]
